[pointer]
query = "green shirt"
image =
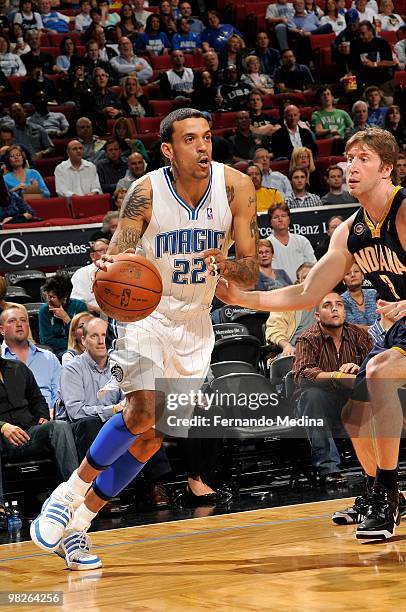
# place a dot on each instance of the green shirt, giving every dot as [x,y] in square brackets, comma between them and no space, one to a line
[336,119]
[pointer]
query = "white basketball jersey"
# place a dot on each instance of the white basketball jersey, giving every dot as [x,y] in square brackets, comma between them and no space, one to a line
[178,234]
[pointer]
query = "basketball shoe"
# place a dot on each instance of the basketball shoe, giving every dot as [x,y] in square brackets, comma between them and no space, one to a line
[74,548]
[48,528]
[382,515]
[356,513]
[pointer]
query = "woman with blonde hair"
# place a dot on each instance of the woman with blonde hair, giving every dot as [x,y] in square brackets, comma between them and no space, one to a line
[252,76]
[134,102]
[233,53]
[303,157]
[75,345]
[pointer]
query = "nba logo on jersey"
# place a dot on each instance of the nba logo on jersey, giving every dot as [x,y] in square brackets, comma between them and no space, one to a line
[209,213]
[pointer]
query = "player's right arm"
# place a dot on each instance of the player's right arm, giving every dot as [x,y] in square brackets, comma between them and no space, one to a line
[322,278]
[135,216]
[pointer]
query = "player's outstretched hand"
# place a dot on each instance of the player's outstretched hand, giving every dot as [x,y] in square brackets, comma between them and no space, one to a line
[215,261]
[101,263]
[394,311]
[228,293]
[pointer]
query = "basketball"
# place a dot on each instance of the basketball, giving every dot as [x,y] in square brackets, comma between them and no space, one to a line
[130,289]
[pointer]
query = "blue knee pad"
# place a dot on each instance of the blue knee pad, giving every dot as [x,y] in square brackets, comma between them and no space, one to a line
[111,442]
[109,483]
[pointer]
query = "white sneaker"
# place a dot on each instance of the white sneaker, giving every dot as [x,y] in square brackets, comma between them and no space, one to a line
[49,527]
[75,549]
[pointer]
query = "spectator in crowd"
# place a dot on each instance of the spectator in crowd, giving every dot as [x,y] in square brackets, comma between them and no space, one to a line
[216,34]
[365,13]
[119,195]
[268,277]
[28,18]
[360,303]
[336,193]
[21,178]
[17,42]
[394,124]
[109,20]
[269,58]
[299,177]
[401,168]
[76,176]
[322,246]
[82,279]
[134,102]
[301,26]
[10,63]
[328,351]
[167,18]
[360,117]
[55,124]
[153,40]
[303,157]
[12,207]
[184,39]
[92,60]
[266,197]
[341,46]
[31,136]
[292,77]
[388,19]
[15,329]
[291,250]
[36,56]
[284,328]
[92,145]
[291,135]
[234,92]
[37,81]
[333,17]
[262,124]
[233,54]
[271,179]
[277,17]
[179,80]
[330,121]
[127,62]
[109,226]
[25,425]
[124,133]
[87,410]
[128,26]
[195,25]
[55,316]
[252,75]
[75,337]
[221,147]
[83,19]
[211,64]
[102,103]
[135,170]
[68,54]
[376,107]
[140,15]
[106,52]
[371,59]
[399,48]
[244,143]
[112,168]
[53,22]
[204,95]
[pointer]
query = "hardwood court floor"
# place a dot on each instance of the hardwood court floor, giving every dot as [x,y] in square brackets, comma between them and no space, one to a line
[288,558]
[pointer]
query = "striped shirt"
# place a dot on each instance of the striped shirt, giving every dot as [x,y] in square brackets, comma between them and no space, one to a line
[316,351]
[309,200]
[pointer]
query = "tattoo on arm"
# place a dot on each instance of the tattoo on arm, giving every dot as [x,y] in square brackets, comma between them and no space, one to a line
[244,272]
[230,193]
[137,204]
[124,239]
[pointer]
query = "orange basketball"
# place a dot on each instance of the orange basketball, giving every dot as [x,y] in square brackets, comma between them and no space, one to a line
[130,289]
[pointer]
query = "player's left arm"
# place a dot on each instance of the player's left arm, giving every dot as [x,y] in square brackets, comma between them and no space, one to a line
[396,310]
[244,269]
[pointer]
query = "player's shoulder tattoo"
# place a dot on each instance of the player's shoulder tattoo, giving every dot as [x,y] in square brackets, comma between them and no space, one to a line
[230,191]
[138,202]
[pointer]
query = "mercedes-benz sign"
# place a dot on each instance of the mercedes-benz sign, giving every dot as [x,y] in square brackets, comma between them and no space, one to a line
[14,252]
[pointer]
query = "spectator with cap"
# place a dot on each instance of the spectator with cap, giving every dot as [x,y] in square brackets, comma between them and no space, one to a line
[342,44]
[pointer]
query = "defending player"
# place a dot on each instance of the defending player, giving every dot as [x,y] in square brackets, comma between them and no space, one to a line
[178,214]
[375,238]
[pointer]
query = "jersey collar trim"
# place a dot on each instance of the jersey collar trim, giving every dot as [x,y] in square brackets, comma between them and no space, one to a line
[376,231]
[192,212]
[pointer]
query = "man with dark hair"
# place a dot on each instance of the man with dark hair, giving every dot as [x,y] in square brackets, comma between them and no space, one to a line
[262,124]
[112,168]
[371,59]
[33,137]
[200,204]
[270,58]
[37,81]
[55,316]
[329,121]
[36,56]
[216,34]
[336,194]
[179,80]
[292,76]
[244,143]
[55,124]
[196,25]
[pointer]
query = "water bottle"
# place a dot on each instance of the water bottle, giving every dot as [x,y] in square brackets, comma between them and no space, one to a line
[14,521]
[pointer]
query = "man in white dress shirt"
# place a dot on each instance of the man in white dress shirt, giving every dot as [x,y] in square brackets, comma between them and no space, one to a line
[82,281]
[76,176]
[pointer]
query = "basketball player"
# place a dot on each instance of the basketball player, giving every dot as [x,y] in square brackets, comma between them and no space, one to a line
[179,214]
[375,239]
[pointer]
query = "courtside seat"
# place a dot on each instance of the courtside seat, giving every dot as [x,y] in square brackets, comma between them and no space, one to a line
[30,280]
[237,348]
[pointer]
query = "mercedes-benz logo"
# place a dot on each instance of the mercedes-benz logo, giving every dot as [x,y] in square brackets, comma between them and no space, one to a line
[14,251]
